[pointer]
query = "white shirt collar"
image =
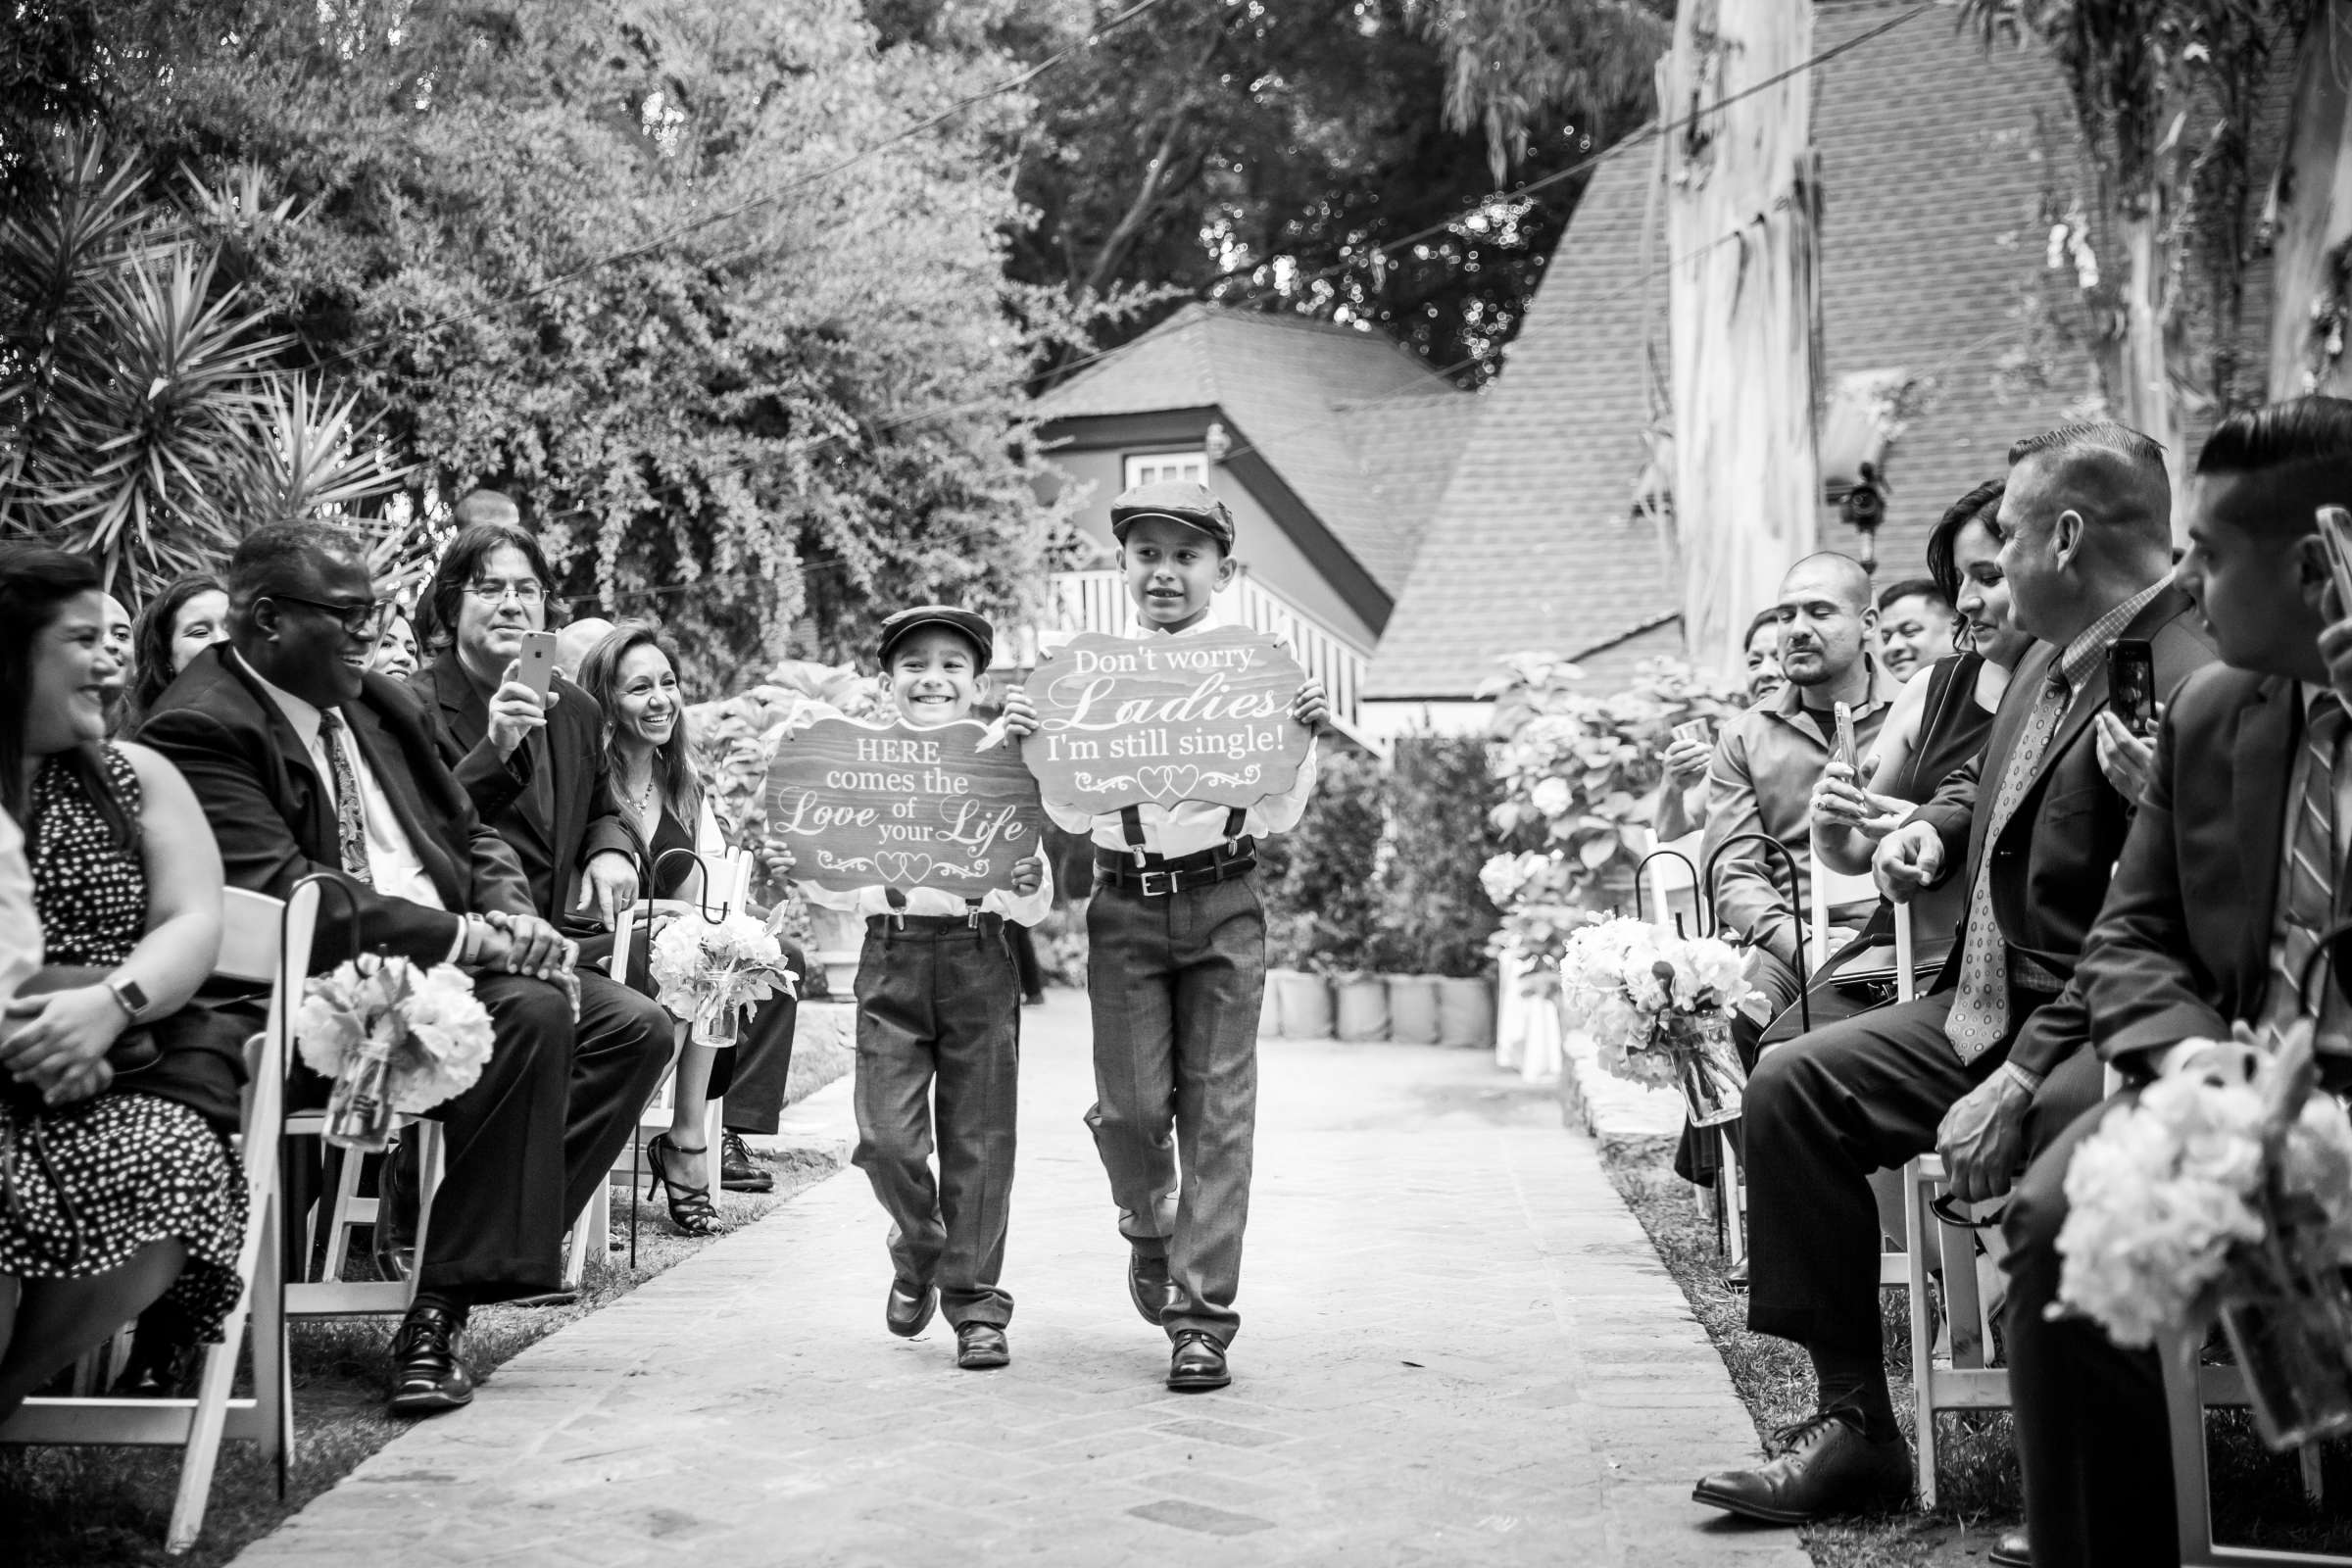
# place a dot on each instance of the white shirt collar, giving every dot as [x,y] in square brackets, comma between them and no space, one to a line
[304,716]
[1207,622]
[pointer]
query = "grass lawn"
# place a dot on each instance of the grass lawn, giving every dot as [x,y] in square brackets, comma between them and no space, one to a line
[2258,1494]
[110,1505]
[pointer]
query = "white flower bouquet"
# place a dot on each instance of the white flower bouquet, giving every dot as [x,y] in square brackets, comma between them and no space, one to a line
[394,1037]
[2228,1189]
[708,971]
[1659,1008]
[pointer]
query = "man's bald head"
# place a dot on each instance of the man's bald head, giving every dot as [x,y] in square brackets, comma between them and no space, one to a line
[487,506]
[575,640]
[1828,571]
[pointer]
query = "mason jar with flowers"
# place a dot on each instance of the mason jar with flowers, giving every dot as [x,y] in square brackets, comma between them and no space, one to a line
[1658,1007]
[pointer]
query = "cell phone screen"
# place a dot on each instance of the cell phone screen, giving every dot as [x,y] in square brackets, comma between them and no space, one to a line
[2132,685]
[537,661]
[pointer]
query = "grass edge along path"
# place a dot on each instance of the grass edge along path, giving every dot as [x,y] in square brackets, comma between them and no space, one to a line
[65,1507]
[2258,1494]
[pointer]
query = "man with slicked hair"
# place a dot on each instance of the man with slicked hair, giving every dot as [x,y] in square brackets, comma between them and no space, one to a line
[2085,526]
[2229,875]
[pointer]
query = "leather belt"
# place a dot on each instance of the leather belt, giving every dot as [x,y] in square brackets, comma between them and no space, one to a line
[1158,876]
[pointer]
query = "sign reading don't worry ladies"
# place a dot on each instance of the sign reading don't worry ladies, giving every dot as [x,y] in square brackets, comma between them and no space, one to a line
[1138,721]
[866,804]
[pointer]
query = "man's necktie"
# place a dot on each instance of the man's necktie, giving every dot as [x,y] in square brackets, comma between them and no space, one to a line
[1979,1016]
[351,829]
[2308,898]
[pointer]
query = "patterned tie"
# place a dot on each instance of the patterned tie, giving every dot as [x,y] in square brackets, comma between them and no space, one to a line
[1979,1016]
[351,829]
[2308,899]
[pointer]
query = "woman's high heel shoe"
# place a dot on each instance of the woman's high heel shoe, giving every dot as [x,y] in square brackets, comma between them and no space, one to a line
[690,1207]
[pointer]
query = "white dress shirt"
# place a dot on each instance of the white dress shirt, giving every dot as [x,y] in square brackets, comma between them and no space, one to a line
[393,866]
[1188,827]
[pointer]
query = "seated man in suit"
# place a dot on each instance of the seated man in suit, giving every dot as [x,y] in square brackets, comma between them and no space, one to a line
[535,770]
[2087,547]
[305,764]
[2215,910]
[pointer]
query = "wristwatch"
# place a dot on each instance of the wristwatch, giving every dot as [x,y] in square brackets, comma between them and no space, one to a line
[127,992]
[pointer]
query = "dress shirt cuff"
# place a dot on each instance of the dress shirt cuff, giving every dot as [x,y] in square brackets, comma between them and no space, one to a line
[461,950]
[2025,1078]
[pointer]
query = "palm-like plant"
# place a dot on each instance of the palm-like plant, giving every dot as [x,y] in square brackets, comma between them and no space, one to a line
[144,412]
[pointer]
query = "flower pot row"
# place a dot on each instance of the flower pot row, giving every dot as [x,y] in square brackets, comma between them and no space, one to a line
[1421,1010]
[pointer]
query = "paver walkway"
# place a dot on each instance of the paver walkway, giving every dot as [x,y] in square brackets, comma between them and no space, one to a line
[1457,1347]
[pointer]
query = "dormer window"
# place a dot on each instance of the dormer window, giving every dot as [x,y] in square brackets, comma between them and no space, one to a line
[1152,467]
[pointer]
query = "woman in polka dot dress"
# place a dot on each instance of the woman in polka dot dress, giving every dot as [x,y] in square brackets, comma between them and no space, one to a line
[115,1093]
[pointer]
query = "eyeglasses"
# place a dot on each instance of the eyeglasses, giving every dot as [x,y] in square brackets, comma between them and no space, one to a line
[527,593]
[357,621]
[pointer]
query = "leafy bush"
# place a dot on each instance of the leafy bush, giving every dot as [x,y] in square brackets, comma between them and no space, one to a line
[1577,765]
[1437,797]
[1323,900]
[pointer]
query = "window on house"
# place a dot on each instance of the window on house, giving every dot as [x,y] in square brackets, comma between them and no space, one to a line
[1152,467]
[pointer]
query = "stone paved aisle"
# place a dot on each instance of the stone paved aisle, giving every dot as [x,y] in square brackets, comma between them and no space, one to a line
[1457,1347]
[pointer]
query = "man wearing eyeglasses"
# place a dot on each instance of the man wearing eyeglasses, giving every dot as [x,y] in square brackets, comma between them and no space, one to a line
[306,765]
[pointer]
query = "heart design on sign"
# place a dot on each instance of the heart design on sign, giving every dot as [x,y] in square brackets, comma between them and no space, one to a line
[1169,783]
[901,866]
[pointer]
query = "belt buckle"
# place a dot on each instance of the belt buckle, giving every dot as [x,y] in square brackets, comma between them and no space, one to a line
[1167,884]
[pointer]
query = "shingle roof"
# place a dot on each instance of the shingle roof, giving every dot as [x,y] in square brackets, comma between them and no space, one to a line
[1933,164]
[1290,387]
[1408,448]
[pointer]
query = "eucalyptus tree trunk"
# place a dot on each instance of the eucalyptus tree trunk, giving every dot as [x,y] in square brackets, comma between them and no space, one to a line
[1741,229]
[2146,393]
[2310,215]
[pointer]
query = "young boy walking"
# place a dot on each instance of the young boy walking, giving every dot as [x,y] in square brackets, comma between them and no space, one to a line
[1176,966]
[939,1007]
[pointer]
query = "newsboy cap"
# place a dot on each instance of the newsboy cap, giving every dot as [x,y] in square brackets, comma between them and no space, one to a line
[1182,501]
[907,622]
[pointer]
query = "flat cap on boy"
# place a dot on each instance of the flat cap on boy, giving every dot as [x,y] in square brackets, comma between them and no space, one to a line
[899,627]
[1178,500]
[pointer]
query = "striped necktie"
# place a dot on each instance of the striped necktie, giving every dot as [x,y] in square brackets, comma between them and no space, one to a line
[2307,898]
[1979,1016]
[351,828]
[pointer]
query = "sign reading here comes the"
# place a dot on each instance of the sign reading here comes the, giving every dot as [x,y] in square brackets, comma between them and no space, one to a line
[1136,721]
[866,805]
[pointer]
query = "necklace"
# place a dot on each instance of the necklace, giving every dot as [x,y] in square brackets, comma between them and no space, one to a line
[641,801]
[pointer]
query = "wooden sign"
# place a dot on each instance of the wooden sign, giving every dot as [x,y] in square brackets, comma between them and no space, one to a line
[861,806]
[1152,720]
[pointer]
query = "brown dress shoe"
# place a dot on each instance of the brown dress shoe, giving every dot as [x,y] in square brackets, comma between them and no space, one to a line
[1826,1466]
[980,1346]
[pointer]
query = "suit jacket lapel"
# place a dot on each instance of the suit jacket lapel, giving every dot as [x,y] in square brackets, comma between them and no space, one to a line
[2262,760]
[322,835]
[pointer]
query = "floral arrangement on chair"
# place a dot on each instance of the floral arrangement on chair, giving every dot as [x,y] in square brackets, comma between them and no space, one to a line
[1659,1008]
[397,1038]
[708,971]
[2227,1188]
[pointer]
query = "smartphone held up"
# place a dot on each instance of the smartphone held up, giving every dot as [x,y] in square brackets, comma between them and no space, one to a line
[2132,684]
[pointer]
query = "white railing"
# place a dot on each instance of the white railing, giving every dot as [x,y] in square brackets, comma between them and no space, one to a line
[1097,601]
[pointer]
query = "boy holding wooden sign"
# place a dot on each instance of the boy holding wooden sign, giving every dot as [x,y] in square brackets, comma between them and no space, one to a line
[1176,753]
[930,829]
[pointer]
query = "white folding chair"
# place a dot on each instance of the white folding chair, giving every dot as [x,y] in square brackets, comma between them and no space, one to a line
[2188,1388]
[263,942]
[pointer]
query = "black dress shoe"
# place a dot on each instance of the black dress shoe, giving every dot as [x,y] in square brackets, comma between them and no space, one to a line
[1826,1466]
[1198,1363]
[426,1375]
[2012,1550]
[738,1169]
[909,1307]
[980,1346]
[1147,1286]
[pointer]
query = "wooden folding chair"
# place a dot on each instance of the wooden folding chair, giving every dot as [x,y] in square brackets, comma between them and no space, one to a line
[263,942]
